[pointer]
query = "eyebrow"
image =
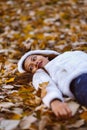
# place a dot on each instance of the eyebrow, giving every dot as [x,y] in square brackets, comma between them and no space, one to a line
[31,58]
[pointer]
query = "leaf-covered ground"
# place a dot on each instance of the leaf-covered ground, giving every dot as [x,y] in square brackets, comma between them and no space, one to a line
[25,25]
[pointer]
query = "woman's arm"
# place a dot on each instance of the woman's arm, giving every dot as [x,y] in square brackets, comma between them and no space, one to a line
[52,90]
[53,97]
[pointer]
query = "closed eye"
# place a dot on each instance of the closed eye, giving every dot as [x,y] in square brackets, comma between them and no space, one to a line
[33,58]
[30,68]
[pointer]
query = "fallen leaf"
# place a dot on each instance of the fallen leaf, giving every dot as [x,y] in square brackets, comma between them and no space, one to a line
[27,121]
[43,93]
[43,122]
[77,124]
[6,104]
[43,86]
[74,106]
[7,86]
[10,80]
[9,124]
[16,116]
[84,115]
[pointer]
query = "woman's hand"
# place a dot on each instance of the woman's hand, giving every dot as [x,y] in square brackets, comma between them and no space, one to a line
[61,109]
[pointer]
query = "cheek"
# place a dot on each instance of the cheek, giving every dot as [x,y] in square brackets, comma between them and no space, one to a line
[45,61]
[26,67]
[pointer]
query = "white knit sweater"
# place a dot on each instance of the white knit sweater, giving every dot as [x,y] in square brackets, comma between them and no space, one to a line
[62,70]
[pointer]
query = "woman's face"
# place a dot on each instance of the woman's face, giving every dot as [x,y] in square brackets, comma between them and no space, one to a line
[34,62]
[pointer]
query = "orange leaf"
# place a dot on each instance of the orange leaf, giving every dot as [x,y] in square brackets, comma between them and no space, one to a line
[16,116]
[84,115]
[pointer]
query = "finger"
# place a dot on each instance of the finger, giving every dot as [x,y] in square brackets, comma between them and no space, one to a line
[69,112]
[64,114]
[58,115]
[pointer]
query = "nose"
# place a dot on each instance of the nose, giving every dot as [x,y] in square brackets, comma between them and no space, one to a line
[35,63]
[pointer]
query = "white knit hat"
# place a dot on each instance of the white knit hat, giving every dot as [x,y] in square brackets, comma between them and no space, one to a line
[42,52]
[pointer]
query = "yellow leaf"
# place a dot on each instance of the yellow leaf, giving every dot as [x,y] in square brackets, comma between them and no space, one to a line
[16,36]
[64,15]
[43,85]
[27,28]
[40,36]
[42,45]
[2,71]
[9,80]
[23,18]
[43,88]
[0,81]
[43,93]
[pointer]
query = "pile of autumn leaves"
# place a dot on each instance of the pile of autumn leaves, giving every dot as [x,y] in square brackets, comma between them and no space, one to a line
[29,25]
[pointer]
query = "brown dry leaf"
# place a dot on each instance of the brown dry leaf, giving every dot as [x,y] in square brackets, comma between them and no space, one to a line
[27,121]
[43,86]
[44,121]
[57,127]
[77,124]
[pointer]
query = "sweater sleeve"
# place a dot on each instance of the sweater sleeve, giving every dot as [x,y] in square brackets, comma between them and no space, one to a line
[52,90]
